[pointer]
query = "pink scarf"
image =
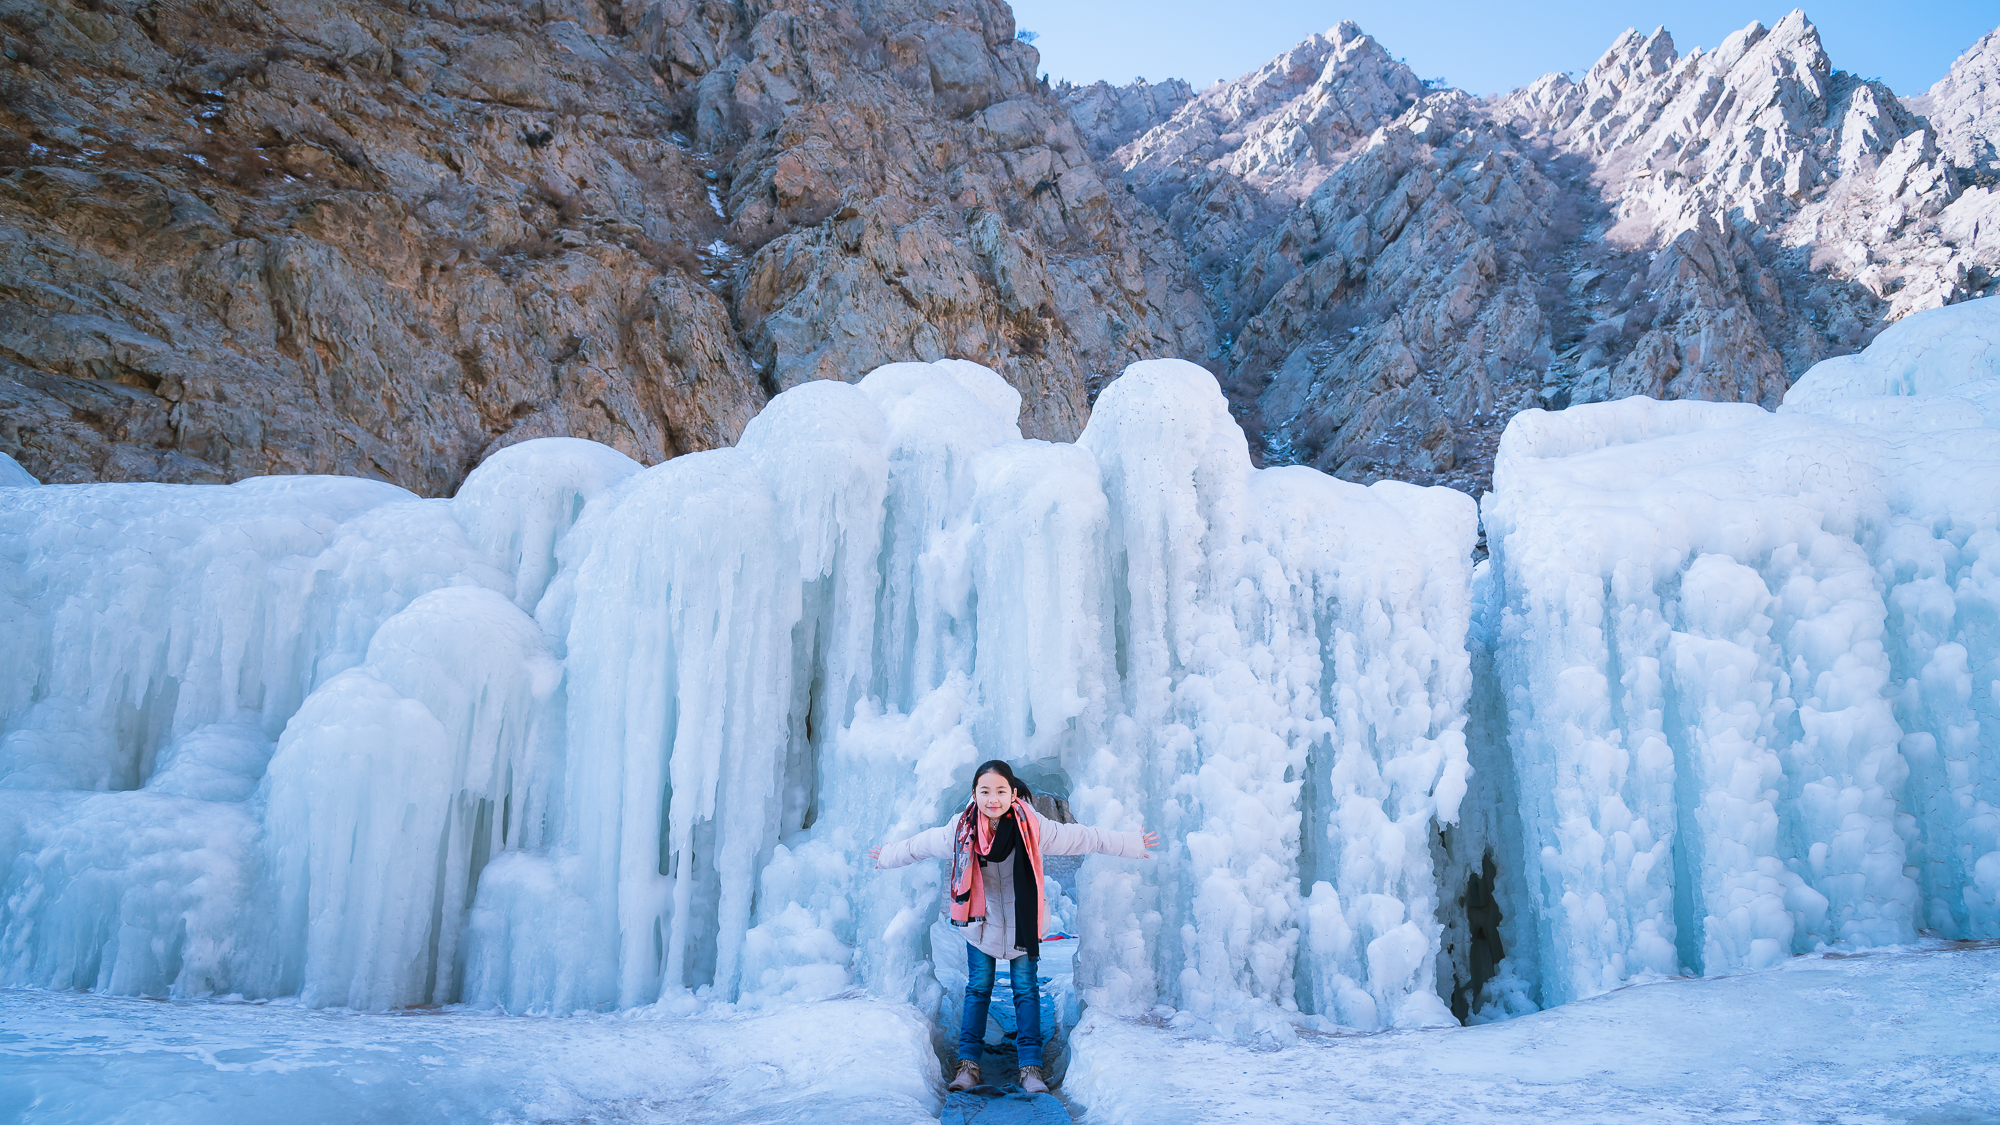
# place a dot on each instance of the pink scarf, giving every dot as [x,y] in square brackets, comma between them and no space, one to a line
[968,888]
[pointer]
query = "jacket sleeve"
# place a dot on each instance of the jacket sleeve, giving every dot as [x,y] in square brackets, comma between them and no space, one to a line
[1082,839]
[931,843]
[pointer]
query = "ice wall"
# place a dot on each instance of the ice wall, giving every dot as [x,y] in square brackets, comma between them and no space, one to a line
[591,735]
[1745,665]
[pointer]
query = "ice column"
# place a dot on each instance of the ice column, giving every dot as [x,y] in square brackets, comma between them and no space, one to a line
[991,626]
[394,784]
[134,615]
[824,441]
[1255,651]
[1930,386]
[520,502]
[162,637]
[939,417]
[677,599]
[1375,643]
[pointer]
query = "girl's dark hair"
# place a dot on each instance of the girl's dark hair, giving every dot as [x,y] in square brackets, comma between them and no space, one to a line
[1006,771]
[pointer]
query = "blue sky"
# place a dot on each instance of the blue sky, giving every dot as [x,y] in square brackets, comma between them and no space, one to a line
[1484,46]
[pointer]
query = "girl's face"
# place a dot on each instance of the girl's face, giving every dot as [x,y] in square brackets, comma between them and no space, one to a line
[993,794]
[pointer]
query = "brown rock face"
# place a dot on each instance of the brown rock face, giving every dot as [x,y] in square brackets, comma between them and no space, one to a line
[385,240]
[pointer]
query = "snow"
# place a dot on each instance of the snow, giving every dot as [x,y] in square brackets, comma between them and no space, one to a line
[1891,1037]
[1934,370]
[91,1059]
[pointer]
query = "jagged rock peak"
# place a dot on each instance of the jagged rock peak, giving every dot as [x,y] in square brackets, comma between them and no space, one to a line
[1757,126]
[1705,225]
[1285,126]
[1635,57]
[1109,117]
[1964,108]
[1765,133]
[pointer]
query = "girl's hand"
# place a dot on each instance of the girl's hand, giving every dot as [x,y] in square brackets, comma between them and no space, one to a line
[875,853]
[1151,840]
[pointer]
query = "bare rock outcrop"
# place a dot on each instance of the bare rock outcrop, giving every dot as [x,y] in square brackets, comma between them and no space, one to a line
[1964,108]
[322,236]
[1110,117]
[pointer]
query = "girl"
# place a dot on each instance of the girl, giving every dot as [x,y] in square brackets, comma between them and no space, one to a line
[996,847]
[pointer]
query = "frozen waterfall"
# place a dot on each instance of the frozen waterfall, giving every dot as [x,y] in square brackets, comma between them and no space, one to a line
[592,735]
[588,735]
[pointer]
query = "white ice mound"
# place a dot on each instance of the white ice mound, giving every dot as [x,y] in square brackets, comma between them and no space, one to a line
[12,475]
[1937,369]
[593,735]
[1745,693]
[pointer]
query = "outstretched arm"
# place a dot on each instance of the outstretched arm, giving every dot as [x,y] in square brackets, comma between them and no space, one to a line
[931,843]
[1082,839]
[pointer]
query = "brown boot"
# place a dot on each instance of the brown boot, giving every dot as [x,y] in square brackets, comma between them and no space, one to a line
[1031,1080]
[967,1077]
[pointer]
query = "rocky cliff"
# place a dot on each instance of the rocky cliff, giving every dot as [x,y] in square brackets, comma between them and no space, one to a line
[261,236]
[1963,106]
[1109,117]
[1396,271]
[313,235]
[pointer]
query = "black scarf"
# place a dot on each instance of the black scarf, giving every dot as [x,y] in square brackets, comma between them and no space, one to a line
[1027,915]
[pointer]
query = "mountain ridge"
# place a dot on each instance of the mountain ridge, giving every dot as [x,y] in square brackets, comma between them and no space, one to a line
[1705,225]
[320,237]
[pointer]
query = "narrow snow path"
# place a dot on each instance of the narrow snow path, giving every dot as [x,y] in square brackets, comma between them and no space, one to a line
[68,1057]
[1893,1037]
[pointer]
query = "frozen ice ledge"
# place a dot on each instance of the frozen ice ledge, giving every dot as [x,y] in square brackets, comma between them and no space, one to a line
[590,736]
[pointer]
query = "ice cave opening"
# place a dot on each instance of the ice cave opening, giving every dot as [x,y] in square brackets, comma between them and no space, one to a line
[592,736]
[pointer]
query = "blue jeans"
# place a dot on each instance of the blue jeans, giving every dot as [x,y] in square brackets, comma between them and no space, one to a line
[979,996]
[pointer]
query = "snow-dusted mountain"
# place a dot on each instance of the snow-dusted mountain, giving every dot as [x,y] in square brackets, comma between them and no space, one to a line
[1284,126]
[1396,271]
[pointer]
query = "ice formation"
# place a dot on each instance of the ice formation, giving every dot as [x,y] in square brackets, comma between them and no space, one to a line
[588,735]
[1745,668]
[591,735]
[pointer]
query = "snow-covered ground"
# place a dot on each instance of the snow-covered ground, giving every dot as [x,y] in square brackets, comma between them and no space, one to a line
[70,1057]
[1898,1036]
[1906,1036]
